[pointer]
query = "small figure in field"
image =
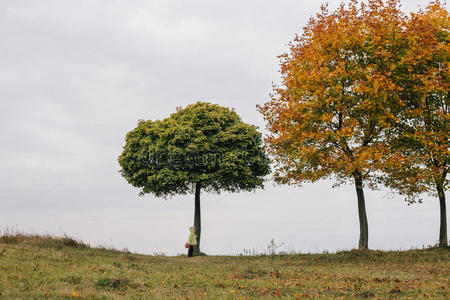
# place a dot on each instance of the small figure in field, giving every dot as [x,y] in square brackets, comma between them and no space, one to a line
[192,240]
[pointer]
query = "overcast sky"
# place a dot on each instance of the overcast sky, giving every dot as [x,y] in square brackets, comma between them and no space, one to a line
[75,77]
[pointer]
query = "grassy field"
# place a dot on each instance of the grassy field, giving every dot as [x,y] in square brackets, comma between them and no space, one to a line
[37,267]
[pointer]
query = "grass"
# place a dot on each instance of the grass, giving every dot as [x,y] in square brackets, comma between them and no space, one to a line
[38,267]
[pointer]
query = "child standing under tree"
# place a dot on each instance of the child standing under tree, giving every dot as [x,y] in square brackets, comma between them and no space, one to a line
[192,240]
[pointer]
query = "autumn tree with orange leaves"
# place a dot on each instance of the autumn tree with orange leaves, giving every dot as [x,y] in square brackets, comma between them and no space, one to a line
[338,93]
[419,160]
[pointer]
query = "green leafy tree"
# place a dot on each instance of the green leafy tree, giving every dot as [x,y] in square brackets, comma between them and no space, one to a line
[201,147]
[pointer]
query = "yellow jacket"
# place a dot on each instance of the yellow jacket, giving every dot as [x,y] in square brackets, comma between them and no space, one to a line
[192,240]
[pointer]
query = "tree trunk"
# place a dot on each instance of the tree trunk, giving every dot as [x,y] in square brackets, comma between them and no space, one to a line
[443,242]
[197,219]
[363,227]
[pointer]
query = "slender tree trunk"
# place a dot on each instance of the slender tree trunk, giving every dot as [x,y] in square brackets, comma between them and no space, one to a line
[363,226]
[197,219]
[443,242]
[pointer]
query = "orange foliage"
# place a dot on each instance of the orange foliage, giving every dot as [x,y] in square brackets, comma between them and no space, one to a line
[338,93]
[420,136]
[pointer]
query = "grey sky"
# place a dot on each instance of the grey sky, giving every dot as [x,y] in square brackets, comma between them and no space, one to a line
[77,75]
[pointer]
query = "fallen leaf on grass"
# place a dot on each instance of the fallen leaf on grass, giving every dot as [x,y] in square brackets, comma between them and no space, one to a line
[366,294]
[395,291]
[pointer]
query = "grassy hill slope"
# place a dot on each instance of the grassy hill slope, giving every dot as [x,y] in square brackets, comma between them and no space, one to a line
[34,267]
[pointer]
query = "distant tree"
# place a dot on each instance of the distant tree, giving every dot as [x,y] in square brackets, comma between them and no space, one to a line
[419,160]
[201,147]
[327,118]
